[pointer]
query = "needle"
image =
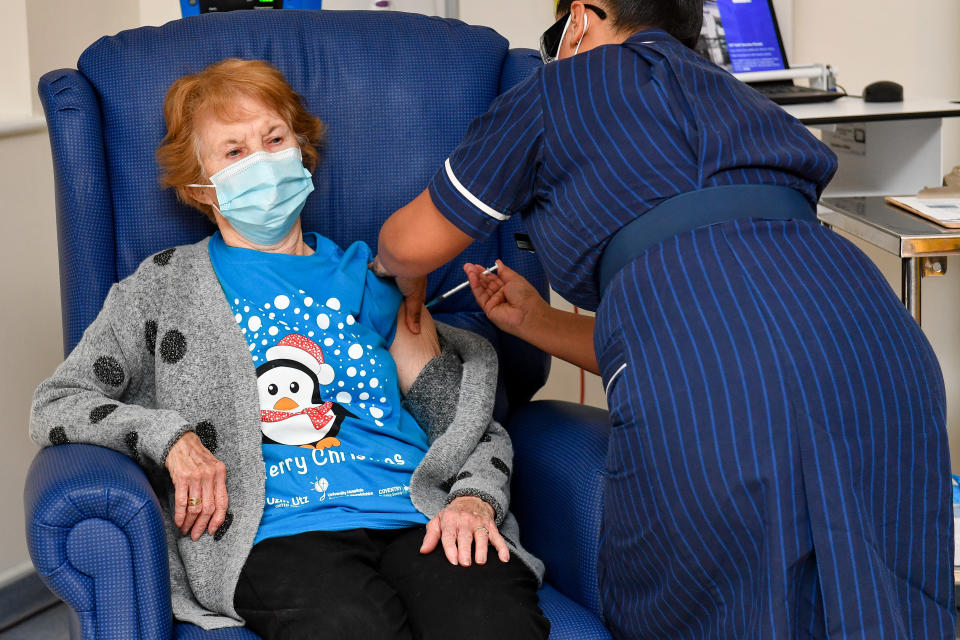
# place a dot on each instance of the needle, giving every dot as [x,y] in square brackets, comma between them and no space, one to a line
[458,288]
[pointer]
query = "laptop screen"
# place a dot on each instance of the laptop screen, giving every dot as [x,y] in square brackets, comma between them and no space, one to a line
[741,36]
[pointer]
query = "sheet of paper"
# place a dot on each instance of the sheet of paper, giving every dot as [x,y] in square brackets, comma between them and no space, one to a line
[944,211]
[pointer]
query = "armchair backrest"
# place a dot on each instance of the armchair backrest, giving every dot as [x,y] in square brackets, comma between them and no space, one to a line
[397,92]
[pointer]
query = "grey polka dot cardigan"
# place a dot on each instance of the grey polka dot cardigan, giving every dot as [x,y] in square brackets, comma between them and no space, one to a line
[165,356]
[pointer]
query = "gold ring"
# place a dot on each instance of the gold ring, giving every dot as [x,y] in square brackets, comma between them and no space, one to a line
[482,528]
[193,502]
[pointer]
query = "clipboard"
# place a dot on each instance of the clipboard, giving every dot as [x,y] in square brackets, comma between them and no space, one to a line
[942,211]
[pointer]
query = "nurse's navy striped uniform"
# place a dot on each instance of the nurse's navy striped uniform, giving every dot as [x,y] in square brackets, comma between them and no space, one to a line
[778,463]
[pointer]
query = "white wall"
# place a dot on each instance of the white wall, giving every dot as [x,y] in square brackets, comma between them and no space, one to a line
[519,22]
[158,12]
[15,98]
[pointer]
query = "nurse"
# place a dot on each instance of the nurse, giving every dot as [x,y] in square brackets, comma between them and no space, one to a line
[778,463]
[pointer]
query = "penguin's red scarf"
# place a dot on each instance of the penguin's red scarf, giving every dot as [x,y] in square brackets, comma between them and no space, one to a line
[318,415]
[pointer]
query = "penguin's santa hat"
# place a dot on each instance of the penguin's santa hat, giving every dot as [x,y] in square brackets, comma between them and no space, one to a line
[305,351]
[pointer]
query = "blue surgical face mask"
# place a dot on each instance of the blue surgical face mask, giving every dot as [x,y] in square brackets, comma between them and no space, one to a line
[263,194]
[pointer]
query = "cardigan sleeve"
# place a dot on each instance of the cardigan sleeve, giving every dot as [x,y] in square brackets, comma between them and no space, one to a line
[486,473]
[97,395]
[433,400]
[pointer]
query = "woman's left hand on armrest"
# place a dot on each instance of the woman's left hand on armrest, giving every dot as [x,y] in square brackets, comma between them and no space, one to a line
[462,523]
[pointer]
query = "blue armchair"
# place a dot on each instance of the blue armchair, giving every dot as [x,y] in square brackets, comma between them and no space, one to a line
[397,92]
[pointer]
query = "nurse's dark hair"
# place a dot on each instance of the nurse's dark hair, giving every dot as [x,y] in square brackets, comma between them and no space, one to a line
[680,18]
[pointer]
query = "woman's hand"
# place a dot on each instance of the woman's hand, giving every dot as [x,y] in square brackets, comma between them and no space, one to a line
[200,484]
[413,351]
[510,302]
[461,523]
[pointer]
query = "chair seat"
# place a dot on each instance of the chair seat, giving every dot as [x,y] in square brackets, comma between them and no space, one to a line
[568,620]
[185,631]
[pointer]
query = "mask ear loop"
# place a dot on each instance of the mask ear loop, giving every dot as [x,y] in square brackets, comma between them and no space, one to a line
[206,186]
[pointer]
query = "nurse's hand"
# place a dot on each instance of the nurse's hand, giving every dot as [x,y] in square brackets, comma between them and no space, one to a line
[515,306]
[509,300]
[465,522]
[414,292]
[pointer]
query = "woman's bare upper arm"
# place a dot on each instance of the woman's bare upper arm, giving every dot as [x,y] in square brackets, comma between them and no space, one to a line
[412,351]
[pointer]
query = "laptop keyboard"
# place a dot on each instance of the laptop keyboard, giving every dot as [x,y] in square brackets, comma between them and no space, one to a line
[793,94]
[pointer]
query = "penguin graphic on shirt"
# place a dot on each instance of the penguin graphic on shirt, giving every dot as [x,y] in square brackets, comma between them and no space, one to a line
[292,410]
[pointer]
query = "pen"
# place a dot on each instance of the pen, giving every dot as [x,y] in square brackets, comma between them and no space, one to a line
[459,287]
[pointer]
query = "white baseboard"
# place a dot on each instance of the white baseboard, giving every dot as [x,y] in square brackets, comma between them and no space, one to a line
[22,595]
[13,574]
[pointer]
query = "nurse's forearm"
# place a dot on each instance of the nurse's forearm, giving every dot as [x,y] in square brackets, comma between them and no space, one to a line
[566,335]
[417,239]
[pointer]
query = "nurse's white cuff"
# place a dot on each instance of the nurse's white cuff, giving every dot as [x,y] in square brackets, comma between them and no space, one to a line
[606,389]
[472,199]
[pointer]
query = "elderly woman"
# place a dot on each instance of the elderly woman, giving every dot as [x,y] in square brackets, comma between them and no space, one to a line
[257,377]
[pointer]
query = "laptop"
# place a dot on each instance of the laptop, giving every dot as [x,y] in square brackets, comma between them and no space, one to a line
[743,37]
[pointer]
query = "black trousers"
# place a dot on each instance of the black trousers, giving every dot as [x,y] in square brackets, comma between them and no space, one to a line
[368,584]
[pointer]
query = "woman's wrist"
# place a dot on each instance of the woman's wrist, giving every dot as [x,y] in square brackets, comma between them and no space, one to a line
[475,505]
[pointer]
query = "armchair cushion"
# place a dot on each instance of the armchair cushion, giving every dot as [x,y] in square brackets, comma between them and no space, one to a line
[559,453]
[568,620]
[183,631]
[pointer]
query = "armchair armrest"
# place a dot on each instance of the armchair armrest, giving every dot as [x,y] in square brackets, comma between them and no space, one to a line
[95,534]
[557,491]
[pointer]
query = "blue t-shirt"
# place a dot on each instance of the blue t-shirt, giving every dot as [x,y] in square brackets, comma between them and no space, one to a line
[338,448]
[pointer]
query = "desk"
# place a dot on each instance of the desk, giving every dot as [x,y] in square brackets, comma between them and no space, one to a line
[901,146]
[909,237]
[856,110]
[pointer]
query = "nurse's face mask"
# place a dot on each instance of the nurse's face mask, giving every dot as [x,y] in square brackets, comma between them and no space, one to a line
[553,37]
[263,194]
